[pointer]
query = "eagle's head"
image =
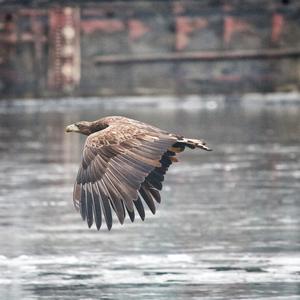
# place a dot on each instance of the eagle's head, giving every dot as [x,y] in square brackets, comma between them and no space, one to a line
[83,127]
[86,127]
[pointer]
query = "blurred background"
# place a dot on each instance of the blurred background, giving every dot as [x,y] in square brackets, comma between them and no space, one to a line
[224,71]
[148,47]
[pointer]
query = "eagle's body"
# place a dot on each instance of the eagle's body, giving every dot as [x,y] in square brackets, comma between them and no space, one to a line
[124,162]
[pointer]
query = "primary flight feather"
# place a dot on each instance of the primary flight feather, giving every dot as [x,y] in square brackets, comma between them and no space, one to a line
[123,164]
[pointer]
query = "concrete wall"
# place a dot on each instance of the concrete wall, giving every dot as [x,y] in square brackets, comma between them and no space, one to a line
[150,47]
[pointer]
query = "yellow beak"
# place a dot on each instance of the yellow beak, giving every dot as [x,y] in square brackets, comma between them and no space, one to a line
[72,128]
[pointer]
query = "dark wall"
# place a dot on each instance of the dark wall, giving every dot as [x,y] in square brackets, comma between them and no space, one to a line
[149,47]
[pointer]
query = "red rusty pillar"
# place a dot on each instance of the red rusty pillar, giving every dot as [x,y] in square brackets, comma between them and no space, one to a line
[277,27]
[64,48]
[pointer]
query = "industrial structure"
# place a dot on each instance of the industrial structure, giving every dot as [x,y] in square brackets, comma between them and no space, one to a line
[149,47]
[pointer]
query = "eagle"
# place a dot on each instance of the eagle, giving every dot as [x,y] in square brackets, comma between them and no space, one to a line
[123,165]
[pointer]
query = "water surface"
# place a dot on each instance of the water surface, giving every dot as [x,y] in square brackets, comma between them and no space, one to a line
[227,227]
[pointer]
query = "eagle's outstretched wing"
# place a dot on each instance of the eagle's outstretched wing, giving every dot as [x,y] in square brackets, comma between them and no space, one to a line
[121,165]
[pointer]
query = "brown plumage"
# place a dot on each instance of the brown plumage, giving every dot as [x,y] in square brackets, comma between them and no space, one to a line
[123,165]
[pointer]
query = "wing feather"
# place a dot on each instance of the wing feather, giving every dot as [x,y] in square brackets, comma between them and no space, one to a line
[83,203]
[114,197]
[156,195]
[154,181]
[130,214]
[148,198]
[89,205]
[120,163]
[96,206]
[139,207]
[105,204]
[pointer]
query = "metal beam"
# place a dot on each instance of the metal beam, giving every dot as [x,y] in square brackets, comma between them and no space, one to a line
[198,56]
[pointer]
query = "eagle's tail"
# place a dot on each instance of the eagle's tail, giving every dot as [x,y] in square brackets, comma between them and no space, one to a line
[183,142]
[194,143]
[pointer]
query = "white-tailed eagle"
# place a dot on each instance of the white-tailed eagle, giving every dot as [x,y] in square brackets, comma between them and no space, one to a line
[123,165]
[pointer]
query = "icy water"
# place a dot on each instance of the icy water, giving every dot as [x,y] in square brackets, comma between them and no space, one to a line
[227,227]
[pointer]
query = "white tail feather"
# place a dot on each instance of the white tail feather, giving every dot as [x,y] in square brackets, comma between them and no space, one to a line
[196,143]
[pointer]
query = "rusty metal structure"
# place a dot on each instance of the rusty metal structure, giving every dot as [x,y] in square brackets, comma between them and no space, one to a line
[149,47]
[64,49]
